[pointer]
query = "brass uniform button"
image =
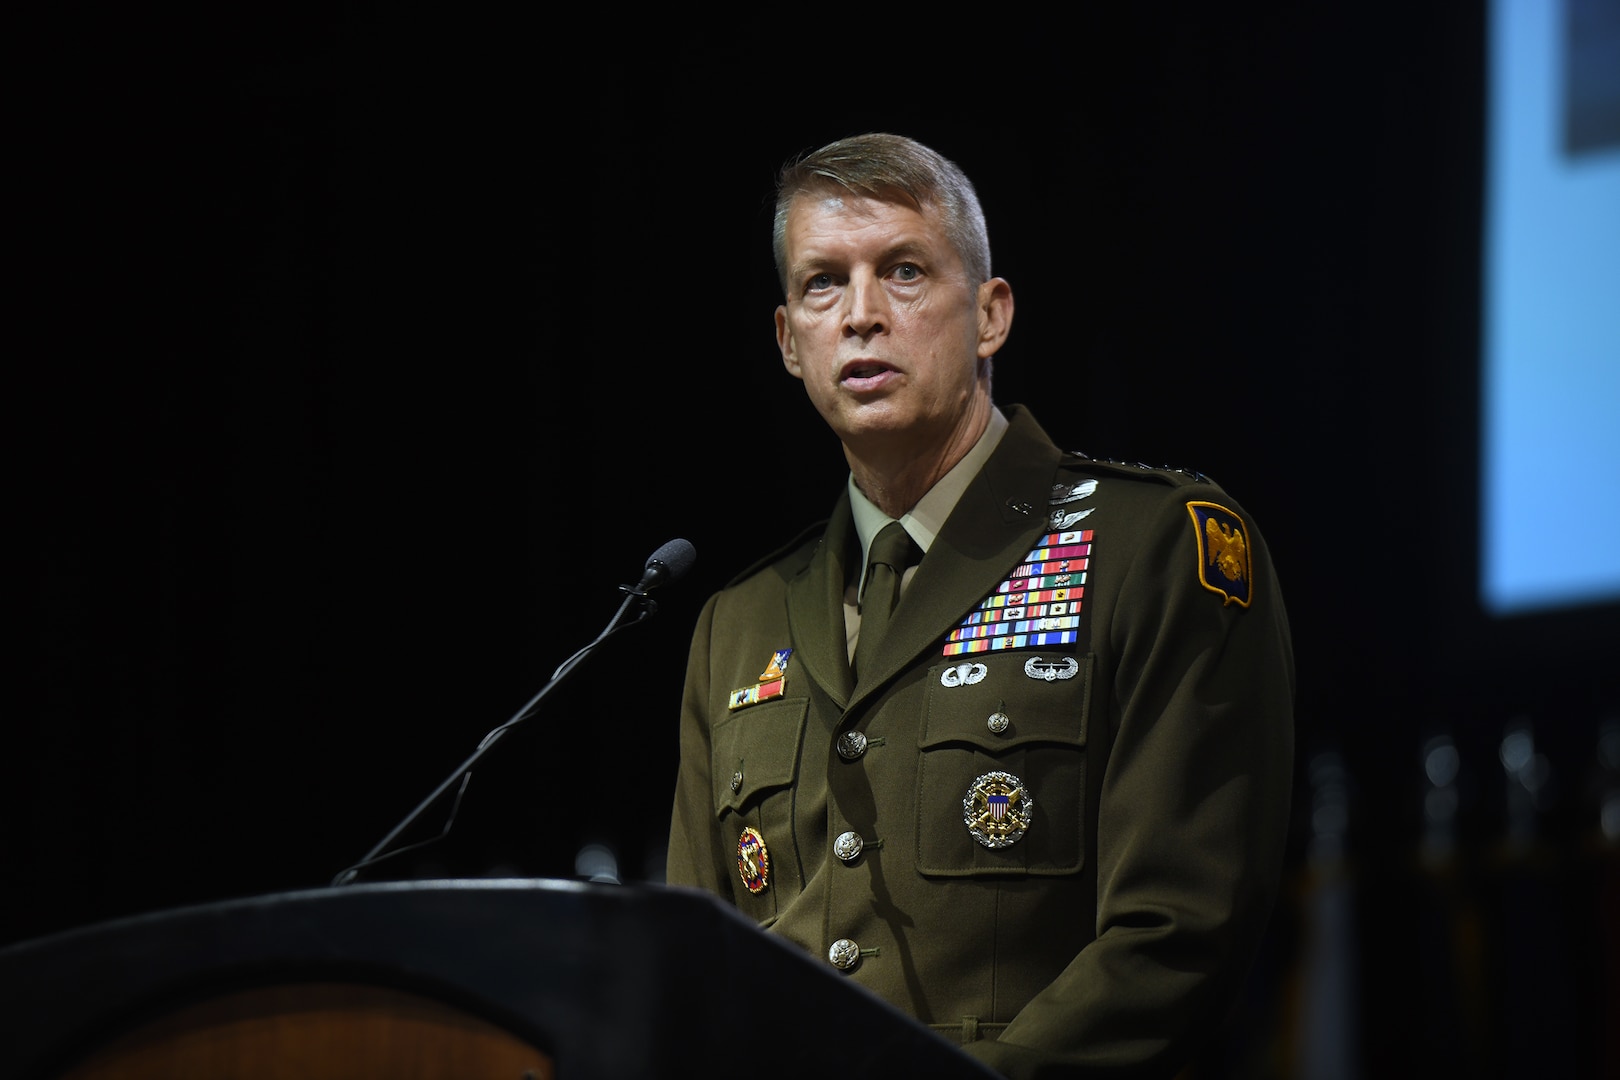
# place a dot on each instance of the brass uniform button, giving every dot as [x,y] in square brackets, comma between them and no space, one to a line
[848,846]
[851,745]
[844,954]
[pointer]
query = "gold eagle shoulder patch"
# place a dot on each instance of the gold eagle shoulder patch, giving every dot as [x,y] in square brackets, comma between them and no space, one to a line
[1225,565]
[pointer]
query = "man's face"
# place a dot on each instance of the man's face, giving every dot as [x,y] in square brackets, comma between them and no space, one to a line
[880,322]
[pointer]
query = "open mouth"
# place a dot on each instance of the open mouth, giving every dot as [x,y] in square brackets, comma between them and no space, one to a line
[865,369]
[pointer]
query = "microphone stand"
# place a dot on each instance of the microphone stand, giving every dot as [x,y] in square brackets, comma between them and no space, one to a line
[463,771]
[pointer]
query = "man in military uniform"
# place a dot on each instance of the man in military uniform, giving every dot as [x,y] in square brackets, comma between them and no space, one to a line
[1040,802]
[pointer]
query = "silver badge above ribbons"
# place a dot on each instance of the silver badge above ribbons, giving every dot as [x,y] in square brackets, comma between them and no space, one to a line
[1068,493]
[1051,670]
[963,675]
[1064,519]
[997,809]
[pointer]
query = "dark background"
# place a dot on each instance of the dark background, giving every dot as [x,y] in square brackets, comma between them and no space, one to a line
[366,354]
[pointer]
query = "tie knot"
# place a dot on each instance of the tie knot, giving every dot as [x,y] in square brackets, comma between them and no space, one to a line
[886,560]
[891,547]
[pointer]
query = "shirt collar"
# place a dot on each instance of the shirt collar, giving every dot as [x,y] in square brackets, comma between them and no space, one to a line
[924,520]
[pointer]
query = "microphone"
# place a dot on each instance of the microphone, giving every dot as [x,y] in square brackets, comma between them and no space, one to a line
[668,564]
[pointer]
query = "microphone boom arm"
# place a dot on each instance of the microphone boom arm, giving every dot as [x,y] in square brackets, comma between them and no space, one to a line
[666,564]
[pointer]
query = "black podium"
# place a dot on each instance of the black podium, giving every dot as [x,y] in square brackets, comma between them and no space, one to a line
[464,978]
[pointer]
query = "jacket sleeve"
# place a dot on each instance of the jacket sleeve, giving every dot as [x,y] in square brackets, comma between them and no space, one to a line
[1192,821]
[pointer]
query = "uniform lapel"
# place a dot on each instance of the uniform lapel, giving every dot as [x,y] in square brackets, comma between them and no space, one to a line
[815,601]
[994,525]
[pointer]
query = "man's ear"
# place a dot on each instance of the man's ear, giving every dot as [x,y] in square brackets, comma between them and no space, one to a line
[995,315]
[784,341]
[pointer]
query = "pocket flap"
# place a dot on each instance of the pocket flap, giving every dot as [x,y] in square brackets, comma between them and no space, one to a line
[755,750]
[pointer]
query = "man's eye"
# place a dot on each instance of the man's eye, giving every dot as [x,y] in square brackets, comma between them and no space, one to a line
[907,272]
[819,282]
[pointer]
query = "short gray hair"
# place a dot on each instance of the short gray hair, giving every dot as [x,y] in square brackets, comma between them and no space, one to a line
[894,169]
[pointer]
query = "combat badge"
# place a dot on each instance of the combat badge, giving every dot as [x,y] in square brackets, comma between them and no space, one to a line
[1060,520]
[1068,492]
[1224,565]
[753,861]
[997,809]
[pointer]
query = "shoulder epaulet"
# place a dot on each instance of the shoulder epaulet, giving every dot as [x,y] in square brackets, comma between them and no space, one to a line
[809,532]
[1168,474]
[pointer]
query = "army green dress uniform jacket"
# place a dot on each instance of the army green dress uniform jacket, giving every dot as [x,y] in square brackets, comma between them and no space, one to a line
[1052,853]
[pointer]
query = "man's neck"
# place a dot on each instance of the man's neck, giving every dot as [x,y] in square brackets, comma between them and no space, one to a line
[896,482]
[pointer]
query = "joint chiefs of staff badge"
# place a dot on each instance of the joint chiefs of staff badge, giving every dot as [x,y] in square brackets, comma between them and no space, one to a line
[753,861]
[997,809]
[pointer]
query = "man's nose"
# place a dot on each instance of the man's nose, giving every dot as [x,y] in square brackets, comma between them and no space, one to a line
[866,306]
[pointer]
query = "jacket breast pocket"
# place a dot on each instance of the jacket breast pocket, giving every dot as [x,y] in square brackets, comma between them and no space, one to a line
[1001,777]
[756,751]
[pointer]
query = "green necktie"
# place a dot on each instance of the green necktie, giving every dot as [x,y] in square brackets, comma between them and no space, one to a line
[891,553]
